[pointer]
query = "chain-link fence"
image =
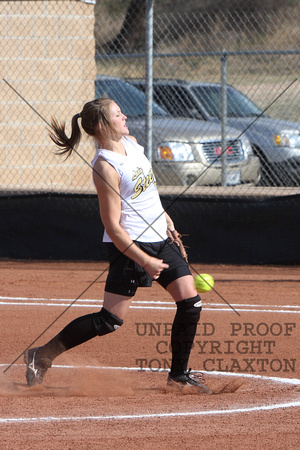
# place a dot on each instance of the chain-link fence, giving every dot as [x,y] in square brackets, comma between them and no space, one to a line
[225,117]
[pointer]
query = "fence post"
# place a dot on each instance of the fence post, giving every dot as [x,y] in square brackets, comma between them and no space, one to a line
[149,78]
[224,116]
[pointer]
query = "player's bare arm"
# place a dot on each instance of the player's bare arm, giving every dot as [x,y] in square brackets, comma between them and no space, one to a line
[170,222]
[175,237]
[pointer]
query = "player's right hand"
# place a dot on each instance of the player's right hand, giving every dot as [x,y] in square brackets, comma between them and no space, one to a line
[155,266]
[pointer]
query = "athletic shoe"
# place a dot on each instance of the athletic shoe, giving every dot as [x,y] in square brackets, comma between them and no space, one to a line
[36,367]
[187,382]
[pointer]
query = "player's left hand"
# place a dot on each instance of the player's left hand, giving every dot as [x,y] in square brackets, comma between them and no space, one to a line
[175,238]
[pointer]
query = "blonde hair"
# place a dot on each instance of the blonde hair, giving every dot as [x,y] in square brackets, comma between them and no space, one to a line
[94,117]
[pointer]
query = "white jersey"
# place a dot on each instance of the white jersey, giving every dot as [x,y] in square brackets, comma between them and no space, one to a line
[142,214]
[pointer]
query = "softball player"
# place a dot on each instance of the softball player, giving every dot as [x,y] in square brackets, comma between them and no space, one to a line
[141,241]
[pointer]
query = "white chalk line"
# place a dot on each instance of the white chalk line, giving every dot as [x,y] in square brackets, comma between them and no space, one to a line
[154,305]
[292,404]
[151,416]
[154,302]
[293,381]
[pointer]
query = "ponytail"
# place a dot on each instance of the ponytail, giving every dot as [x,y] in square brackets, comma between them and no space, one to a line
[58,135]
[94,115]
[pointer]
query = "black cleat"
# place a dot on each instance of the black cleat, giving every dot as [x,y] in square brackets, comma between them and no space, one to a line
[187,383]
[36,367]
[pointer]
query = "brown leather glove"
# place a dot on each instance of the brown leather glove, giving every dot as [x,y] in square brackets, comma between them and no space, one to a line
[175,238]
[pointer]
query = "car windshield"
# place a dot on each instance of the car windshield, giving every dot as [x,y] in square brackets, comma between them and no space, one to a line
[238,105]
[131,100]
[177,100]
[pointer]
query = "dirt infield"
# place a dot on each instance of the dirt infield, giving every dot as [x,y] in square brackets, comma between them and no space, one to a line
[110,392]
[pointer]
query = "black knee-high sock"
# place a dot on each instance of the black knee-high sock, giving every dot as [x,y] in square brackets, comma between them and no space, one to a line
[79,331]
[183,333]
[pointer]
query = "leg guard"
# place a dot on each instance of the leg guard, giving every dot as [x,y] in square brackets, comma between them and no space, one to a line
[183,333]
[105,322]
[79,331]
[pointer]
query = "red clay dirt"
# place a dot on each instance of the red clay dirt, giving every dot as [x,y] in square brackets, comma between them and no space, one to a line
[109,393]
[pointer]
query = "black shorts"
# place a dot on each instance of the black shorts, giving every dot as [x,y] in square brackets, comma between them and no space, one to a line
[125,276]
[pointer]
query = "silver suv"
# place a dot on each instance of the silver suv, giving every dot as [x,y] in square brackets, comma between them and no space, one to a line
[275,142]
[185,151]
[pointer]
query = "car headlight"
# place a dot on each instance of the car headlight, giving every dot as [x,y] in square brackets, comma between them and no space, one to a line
[288,138]
[175,151]
[247,147]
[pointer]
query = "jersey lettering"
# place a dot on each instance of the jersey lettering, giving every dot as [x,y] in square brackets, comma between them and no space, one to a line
[142,181]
